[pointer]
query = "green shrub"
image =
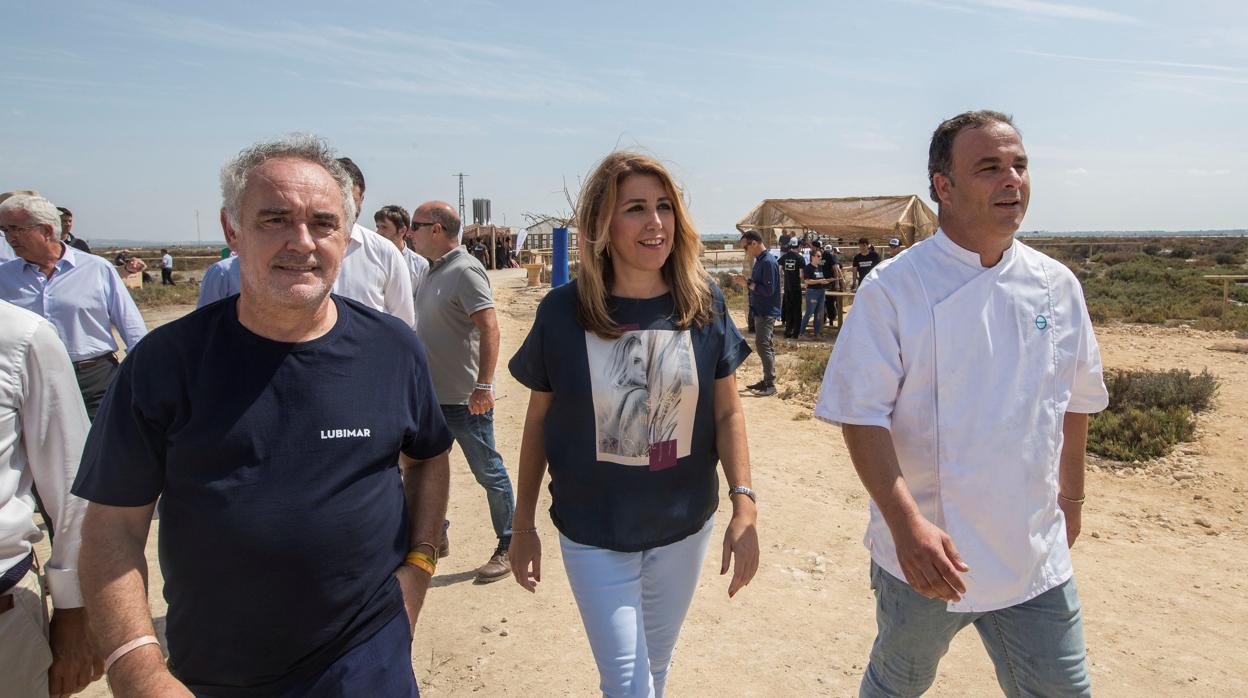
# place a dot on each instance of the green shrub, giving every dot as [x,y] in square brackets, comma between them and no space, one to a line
[1149,412]
[1135,434]
[1161,389]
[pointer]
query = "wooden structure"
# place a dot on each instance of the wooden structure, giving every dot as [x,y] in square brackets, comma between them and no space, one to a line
[1226,280]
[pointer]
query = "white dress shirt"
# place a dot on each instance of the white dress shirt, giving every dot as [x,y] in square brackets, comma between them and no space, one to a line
[43,425]
[220,280]
[373,273]
[84,300]
[166,261]
[972,371]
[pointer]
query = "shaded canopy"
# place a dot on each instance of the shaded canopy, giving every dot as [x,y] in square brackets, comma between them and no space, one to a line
[877,218]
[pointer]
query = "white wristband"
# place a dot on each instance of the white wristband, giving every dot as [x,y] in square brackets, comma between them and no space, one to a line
[127,649]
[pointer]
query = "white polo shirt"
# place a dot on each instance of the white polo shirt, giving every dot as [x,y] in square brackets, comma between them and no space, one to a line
[972,371]
[374,273]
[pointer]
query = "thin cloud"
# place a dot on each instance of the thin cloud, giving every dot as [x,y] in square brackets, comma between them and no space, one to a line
[1196,172]
[871,143]
[348,57]
[1033,9]
[1135,61]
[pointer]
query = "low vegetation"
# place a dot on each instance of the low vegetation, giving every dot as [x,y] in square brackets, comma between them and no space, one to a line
[154,295]
[1159,281]
[1149,412]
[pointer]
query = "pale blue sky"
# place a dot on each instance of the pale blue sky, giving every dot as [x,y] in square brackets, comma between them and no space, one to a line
[1135,114]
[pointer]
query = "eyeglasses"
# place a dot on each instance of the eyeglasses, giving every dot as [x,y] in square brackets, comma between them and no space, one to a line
[417,225]
[10,229]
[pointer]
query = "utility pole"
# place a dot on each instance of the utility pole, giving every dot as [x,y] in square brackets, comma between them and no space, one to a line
[198,240]
[461,176]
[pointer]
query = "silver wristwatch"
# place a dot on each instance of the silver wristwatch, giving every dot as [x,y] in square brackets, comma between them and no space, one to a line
[741,489]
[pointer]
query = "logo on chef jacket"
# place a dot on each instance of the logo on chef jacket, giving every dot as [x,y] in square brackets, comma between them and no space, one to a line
[1042,322]
[346,433]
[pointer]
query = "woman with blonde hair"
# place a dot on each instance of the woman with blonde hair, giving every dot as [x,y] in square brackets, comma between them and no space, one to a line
[639,346]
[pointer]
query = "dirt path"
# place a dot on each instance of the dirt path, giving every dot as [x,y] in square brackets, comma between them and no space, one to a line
[1161,565]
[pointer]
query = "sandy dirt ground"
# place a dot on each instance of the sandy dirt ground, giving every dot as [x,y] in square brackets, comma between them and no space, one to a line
[1161,565]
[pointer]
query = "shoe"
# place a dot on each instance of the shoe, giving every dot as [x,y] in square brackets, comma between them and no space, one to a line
[756,386]
[444,548]
[499,567]
[765,391]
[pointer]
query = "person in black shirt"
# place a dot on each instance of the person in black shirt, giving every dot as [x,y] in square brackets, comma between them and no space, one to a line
[816,288]
[67,223]
[633,404]
[864,261]
[272,425]
[791,263]
[832,271]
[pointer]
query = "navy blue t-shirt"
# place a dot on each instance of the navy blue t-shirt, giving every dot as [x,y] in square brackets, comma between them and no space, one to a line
[282,516]
[630,433]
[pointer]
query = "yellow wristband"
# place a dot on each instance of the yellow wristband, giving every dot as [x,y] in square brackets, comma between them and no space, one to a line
[420,560]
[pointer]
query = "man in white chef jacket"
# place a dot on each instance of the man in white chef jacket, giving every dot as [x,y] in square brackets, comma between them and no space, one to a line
[962,382]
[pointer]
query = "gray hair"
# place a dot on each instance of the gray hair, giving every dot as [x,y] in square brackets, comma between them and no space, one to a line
[300,146]
[38,209]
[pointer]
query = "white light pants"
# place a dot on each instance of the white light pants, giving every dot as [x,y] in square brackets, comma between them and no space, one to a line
[633,605]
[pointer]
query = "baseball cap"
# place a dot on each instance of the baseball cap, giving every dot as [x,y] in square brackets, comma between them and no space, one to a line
[894,242]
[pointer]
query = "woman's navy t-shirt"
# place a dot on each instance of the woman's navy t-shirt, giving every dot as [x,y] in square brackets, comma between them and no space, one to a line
[282,510]
[630,432]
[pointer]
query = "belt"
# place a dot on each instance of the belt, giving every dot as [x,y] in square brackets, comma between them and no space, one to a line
[88,363]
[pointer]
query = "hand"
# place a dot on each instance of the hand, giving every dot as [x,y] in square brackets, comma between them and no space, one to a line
[929,560]
[526,549]
[1074,519]
[480,402]
[741,542]
[75,663]
[414,582]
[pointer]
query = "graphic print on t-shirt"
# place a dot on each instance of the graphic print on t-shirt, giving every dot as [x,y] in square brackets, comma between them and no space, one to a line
[645,394]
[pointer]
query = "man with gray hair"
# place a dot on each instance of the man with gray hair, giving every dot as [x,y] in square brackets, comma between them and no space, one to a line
[962,382]
[80,294]
[279,453]
[459,329]
[373,272]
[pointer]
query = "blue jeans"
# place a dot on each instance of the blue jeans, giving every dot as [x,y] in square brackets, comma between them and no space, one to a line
[475,435]
[815,298]
[1036,646]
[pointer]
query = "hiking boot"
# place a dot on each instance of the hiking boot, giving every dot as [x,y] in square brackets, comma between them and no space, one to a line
[756,386]
[499,567]
[765,391]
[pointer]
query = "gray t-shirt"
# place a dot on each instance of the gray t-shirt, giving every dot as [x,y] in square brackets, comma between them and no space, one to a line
[455,287]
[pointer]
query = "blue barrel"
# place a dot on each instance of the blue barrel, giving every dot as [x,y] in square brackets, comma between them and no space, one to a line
[559,258]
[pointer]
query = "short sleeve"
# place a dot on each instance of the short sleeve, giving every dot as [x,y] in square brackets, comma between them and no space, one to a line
[474,293]
[734,348]
[864,374]
[528,365]
[425,435]
[123,461]
[1088,394]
